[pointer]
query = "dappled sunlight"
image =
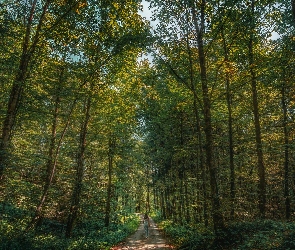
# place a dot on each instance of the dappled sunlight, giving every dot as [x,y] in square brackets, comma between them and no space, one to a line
[137,241]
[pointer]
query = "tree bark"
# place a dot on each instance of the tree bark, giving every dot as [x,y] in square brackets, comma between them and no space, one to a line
[199,135]
[109,187]
[163,204]
[286,158]
[230,129]
[202,165]
[77,190]
[217,215]
[187,204]
[259,151]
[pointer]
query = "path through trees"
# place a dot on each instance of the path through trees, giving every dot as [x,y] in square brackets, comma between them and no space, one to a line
[202,134]
[137,241]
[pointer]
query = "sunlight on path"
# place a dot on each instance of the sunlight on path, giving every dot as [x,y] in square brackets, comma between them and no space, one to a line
[137,241]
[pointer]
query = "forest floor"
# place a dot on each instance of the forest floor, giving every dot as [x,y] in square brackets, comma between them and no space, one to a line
[137,241]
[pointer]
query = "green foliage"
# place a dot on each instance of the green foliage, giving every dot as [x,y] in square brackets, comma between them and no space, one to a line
[263,235]
[91,49]
[88,235]
[266,234]
[187,236]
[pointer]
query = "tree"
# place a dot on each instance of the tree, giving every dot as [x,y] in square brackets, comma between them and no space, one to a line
[77,189]
[54,146]
[28,49]
[195,25]
[216,207]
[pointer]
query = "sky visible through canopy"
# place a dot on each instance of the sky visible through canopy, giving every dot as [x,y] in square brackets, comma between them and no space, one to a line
[147,13]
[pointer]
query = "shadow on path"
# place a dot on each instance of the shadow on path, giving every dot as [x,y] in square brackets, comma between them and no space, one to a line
[137,241]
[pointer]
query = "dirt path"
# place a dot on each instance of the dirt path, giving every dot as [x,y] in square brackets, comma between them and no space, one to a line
[137,241]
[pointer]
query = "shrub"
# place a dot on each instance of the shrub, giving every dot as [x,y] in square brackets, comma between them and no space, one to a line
[259,234]
[86,236]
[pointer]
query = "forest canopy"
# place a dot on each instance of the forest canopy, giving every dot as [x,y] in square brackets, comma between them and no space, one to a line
[104,114]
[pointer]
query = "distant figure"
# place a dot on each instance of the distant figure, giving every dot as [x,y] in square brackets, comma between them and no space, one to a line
[146,224]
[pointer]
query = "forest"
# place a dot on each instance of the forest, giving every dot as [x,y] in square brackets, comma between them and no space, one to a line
[188,115]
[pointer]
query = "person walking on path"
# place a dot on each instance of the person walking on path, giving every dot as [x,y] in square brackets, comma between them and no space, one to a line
[137,241]
[146,224]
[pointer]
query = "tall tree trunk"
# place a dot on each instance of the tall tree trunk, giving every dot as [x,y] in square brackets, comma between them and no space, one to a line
[286,152]
[217,215]
[180,201]
[202,166]
[163,204]
[181,174]
[155,194]
[230,129]
[19,82]
[109,187]
[147,201]
[167,202]
[187,204]
[199,134]
[76,195]
[261,168]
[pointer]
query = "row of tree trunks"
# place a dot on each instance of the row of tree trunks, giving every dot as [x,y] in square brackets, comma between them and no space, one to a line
[198,18]
[31,41]
[53,153]
[28,49]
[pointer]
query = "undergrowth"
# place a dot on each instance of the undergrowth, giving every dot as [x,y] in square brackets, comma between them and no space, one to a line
[87,235]
[256,235]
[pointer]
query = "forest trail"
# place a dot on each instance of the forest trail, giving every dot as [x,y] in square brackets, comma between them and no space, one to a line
[137,241]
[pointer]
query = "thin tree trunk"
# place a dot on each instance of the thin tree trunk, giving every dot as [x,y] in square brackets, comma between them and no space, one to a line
[202,166]
[109,187]
[76,195]
[148,198]
[167,201]
[162,204]
[181,174]
[52,162]
[230,130]
[50,166]
[19,82]
[286,160]
[180,201]
[155,194]
[199,135]
[217,215]
[147,201]
[261,168]
[187,204]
